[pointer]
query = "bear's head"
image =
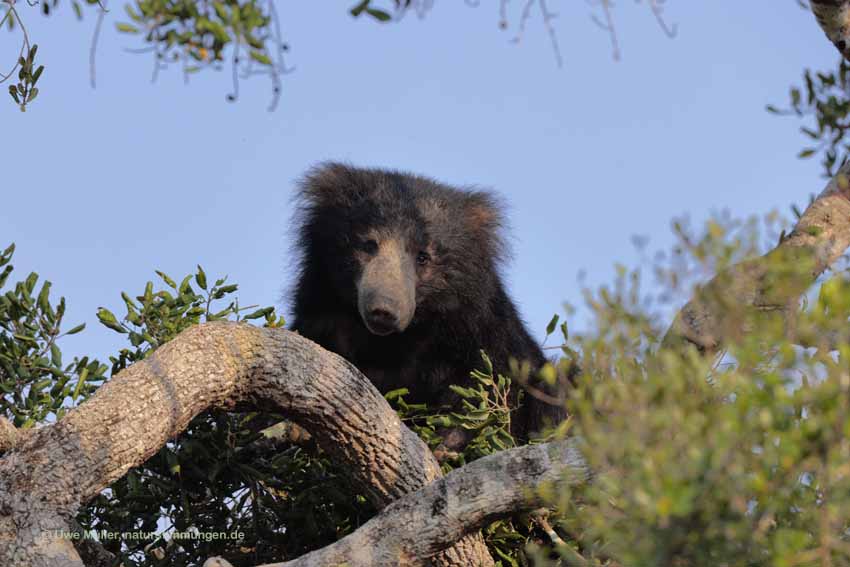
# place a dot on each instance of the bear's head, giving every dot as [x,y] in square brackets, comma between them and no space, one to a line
[396,247]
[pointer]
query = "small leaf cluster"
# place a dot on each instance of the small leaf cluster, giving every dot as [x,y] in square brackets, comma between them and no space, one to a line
[379,14]
[25,91]
[198,34]
[823,99]
[155,317]
[485,414]
[200,30]
[35,384]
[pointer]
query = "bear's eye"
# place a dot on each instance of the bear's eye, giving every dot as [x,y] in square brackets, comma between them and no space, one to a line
[369,246]
[423,258]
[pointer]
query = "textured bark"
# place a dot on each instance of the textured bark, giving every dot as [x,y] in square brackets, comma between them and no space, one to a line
[48,474]
[9,435]
[773,282]
[425,522]
[834,17]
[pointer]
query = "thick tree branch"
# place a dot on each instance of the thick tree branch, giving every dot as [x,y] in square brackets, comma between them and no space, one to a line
[427,521]
[773,282]
[46,476]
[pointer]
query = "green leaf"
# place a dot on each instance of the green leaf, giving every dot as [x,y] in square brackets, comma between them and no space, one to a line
[550,328]
[166,279]
[259,313]
[201,278]
[221,12]
[464,392]
[358,9]
[108,319]
[224,290]
[42,297]
[260,57]
[379,15]
[393,394]
[253,41]
[76,329]
[218,30]
[184,286]
[37,74]
[126,28]
[132,13]
[5,274]
[29,283]
[56,354]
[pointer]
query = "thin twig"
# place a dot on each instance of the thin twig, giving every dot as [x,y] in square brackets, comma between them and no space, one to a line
[93,48]
[523,20]
[25,46]
[276,70]
[547,21]
[234,96]
[657,7]
[608,25]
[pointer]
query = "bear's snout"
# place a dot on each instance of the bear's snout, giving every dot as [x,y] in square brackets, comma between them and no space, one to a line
[382,322]
[384,313]
[386,290]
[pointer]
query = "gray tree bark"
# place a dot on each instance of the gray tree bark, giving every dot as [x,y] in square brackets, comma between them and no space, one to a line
[424,523]
[50,473]
[773,282]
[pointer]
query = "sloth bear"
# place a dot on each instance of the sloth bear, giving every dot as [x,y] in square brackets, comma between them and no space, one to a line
[399,274]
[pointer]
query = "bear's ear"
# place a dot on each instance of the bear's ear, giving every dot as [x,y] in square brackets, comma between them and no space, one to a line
[483,214]
[484,221]
[332,184]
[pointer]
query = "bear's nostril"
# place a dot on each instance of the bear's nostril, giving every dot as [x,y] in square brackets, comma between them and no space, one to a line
[382,322]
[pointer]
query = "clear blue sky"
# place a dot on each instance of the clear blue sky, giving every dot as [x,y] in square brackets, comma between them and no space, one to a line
[134,177]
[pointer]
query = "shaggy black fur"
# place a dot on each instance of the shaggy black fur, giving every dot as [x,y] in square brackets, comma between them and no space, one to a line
[452,249]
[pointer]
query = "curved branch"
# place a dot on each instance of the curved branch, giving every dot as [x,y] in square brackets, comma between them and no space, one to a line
[773,282]
[427,521]
[49,474]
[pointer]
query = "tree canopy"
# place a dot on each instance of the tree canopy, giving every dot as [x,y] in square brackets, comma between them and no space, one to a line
[719,439]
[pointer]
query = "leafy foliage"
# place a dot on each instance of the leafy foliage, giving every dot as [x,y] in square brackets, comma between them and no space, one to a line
[824,99]
[195,35]
[246,33]
[486,416]
[738,460]
[25,91]
[36,386]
